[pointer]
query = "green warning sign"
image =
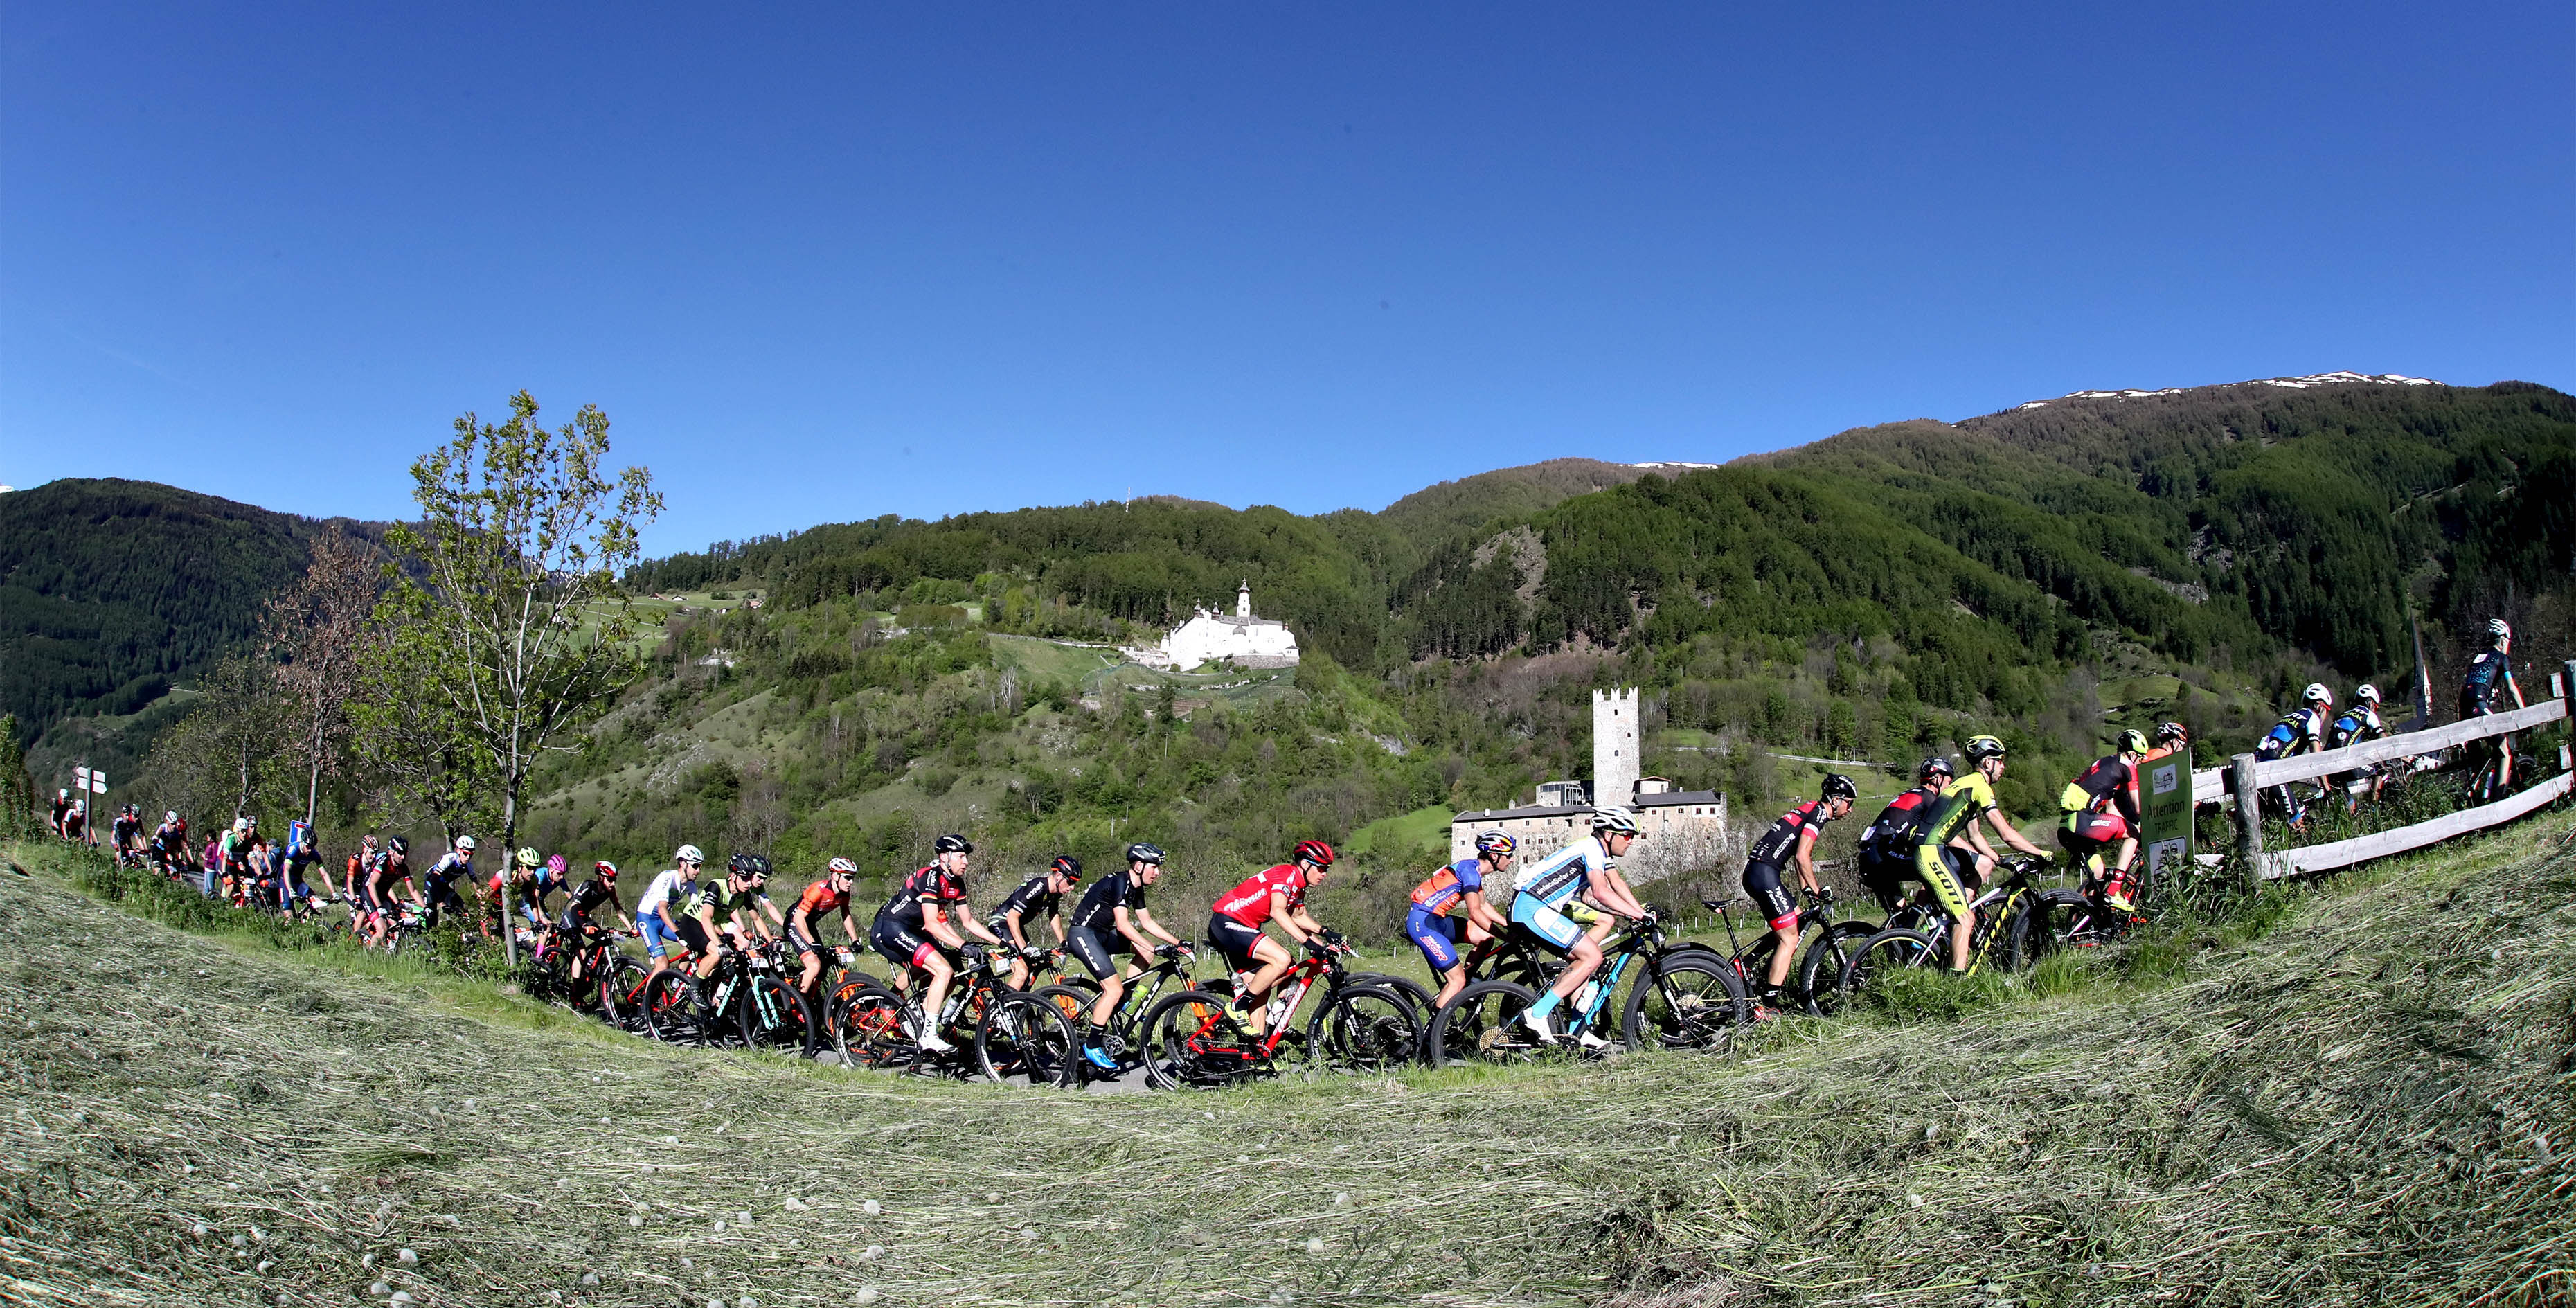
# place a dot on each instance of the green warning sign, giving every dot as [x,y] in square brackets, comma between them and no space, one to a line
[2165,802]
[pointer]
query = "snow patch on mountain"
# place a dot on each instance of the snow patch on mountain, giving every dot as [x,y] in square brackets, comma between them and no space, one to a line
[2289,383]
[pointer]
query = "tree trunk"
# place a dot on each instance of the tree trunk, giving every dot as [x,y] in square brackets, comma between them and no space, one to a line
[312,792]
[509,851]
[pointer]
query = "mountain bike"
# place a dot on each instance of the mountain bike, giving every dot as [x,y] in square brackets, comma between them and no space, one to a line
[745,1002]
[1684,997]
[2008,923]
[1124,1036]
[1196,1040]
[1002,1034]
[1826,954]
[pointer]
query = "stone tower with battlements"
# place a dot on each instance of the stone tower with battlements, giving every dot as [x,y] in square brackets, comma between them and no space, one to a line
[1615,746]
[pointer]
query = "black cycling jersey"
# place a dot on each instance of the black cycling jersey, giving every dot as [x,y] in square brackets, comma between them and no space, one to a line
[1031,901]
[2109,778]
[1100,904]
[586,898]
[1897,826]
[1779,845]
[2488,673]
[928,886]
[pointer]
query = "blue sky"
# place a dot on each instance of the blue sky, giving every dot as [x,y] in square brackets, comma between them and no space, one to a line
[825,263]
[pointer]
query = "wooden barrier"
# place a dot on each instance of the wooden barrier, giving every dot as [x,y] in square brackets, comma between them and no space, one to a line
[2209,785]
[2381,844]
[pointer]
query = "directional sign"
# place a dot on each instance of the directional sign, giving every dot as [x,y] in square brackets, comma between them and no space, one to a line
[98,783]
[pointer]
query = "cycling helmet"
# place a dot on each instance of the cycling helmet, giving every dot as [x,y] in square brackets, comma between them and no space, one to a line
[399,845]
[65,794]
[844,868]
[1935,766]
[1313,851]
[2133,741]
[2316,693]
[1614,819]
[1838,786]
[953,844]
[528,856]
[2366,691]
[464,844]
[1981,748]
[1496,842]
[606,870]
[1140,852]
[1066,865]
[739,865]
[2499,629]
[688,854]
[239,823]
[171,816]
[2174,732]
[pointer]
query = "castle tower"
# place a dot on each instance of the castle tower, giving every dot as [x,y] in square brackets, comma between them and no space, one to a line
[1616,761]
[1243,601]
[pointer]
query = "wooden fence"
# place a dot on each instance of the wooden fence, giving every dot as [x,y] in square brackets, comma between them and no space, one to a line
[2246,778]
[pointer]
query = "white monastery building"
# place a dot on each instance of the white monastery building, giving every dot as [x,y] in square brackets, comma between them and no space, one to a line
[1237,637]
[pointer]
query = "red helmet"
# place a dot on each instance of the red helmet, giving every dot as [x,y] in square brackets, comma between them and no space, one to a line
[1315,852]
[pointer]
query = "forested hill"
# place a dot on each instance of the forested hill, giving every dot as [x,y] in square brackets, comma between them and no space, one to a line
[112,590]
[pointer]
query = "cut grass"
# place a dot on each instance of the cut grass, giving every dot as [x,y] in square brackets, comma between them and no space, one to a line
[2366,1101]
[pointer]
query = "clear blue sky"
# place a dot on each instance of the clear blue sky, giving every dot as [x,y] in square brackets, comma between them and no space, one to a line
[827,263]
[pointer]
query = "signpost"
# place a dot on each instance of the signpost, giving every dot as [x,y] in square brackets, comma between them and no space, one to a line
[2167,808]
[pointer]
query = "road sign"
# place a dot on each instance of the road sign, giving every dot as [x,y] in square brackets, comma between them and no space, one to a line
[80,778]
[2168,813]
[98,783]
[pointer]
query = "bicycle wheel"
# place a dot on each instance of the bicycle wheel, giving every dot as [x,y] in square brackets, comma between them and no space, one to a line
[872,1031]
[1194,1041]
[1483,1025]
[1820,973]
[671,1009]
[771,1017]
[1412,992]
[621,993]
[1026,1039]
[1366,1029]
[1888,952]
[1686,1001]
[2048,922]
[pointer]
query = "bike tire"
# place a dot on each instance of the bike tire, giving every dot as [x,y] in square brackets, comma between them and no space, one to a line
[1482,1025]
[670,1009]
[1194,1041]
[1692,1001]
[1820,973]
[2045,924]
[872,1031]
[1895,949]
[620,987]
[772,1018]
[1027,1040]
[1366,1029]
[1406,988]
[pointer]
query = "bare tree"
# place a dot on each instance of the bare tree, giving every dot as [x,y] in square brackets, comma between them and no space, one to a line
[225,753]
[518,630]
[317,632]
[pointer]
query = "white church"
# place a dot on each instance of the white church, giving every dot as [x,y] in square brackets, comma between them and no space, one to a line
[1238,638]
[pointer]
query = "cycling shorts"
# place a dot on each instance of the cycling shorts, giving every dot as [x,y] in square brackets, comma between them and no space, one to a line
[1554,929]
[440,895]
[658,938]
[1436,936]
[796,940]
[901,945]
[694,937]
[1770,898]
[1098,952]
[1235,940]
[1950,873]
[2082,830]
[1884,876]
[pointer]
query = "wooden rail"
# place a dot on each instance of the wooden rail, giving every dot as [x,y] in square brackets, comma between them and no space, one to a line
[2381,844]
[2210,785]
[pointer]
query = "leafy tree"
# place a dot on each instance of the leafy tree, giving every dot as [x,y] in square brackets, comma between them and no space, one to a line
[515,629]
[224,755]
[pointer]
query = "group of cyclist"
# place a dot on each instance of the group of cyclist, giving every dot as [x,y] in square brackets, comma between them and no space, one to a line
[2316,725]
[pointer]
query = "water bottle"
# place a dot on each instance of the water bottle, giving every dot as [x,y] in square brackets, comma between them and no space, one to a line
[1278,1010]
[1584,995]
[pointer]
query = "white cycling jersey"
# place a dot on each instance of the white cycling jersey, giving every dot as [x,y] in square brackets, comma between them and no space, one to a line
[1566,873]
[665,887]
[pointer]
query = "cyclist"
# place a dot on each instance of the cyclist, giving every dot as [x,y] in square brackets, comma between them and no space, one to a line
[664,905]
[1277,892]
[913,931]
[2482,692]
[438,884]
[1435,924]
[127,833]
[1887,843]
[233,856]
[825,897]
[1952,857]
[62,812]
[2101,807]
[170,843]
[2302,730]
[76,824]
[1792,836]
[1111,920]
[517,884]
[362,860]
[2171,738]
[380,896]
[290,861]
[2354,726]
[1040,894]
[1574,879]
[727,908]
[586,899]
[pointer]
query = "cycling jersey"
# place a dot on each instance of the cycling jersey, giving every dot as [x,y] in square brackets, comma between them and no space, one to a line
[1098,910]
[717,893]
[928,887]
[2489,673]
[2301,730]
[1794,831]
[1249,901]
[1897,825]
[1962,802]
[661,893]
[587,898]
[2109,785]
[126,829]
[819,901]
[437,889]
[1031,901]
[2358,723]
[1566,873]
[1449,887]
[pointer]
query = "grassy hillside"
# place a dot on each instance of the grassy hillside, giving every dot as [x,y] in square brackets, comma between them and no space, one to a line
[2353,1095]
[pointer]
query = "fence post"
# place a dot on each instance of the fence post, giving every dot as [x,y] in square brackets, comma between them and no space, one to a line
[2567,683]
[2249,817]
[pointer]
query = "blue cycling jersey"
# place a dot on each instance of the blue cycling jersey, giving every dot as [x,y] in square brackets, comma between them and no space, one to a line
[1566,873]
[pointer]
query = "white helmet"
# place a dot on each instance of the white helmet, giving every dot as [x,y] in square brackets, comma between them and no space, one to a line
[465,844]
[241,824]
[1613,818]
[688,854]
[2366,691]
[2316,693]
[2499,629]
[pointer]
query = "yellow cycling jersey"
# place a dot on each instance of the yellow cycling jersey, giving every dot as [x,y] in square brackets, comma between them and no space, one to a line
[1962,801]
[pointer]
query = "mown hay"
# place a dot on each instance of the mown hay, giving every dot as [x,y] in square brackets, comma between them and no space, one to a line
[2369,1104]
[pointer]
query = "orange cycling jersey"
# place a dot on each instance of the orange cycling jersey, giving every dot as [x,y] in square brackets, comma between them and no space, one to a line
[820,899]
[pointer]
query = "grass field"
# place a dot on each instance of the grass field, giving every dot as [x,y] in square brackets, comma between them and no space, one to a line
[2357,1095]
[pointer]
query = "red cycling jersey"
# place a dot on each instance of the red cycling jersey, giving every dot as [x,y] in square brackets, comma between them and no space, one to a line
[820,899]
[1249,903]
